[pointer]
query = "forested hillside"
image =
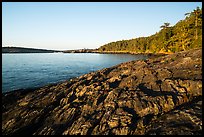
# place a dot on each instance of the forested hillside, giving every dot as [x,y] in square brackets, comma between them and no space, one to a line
[184,35]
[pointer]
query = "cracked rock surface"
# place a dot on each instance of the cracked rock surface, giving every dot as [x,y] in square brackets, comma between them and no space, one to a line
[158,96]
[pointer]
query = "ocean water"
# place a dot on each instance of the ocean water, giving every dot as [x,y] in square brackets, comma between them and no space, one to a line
[28,70]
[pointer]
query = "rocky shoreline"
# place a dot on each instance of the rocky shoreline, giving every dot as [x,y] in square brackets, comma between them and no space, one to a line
[157,96]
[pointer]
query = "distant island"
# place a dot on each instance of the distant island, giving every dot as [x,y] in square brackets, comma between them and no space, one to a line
[32,50]
[26,50]
[80,51]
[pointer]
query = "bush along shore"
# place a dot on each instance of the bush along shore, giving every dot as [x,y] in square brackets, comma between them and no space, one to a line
[157,96]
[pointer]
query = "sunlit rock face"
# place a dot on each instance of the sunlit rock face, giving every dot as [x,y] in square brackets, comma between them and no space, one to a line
[155,96]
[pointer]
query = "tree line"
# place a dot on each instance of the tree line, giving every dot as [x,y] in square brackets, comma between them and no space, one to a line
[185,35]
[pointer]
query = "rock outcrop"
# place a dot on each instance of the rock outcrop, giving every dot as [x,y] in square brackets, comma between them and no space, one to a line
[155,96]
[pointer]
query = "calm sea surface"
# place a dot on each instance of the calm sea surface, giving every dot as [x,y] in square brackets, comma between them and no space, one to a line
[39,69]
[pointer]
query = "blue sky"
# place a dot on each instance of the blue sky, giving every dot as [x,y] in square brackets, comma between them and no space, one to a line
[76,25]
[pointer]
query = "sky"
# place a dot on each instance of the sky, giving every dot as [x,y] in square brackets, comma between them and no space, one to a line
[79,25]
